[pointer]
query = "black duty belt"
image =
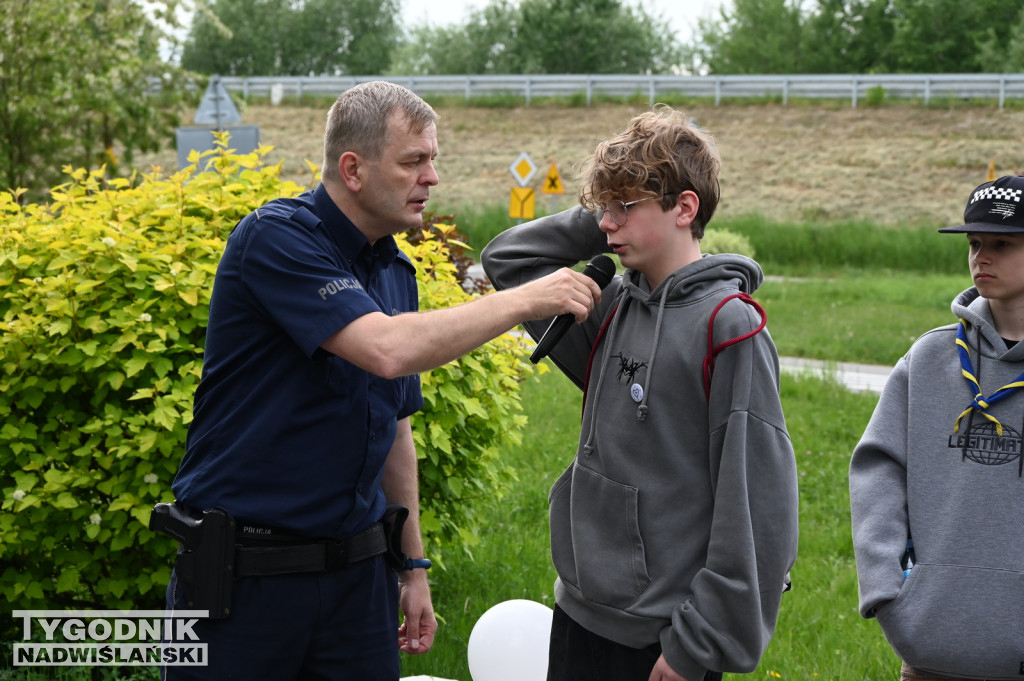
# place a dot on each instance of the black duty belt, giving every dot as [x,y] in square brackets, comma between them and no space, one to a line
[319,556]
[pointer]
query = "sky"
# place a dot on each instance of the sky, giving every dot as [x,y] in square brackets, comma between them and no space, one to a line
[683,14]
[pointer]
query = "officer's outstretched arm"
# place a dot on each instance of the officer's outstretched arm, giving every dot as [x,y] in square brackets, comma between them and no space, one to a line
[420,341]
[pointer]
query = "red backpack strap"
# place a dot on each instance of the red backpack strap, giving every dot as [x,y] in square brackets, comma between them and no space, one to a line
[593,352]
[713,350]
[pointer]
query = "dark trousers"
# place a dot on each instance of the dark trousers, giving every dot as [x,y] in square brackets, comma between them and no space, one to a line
[340,625]
[577,654]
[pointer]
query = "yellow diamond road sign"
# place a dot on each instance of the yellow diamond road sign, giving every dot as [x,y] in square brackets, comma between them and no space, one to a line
[523,169]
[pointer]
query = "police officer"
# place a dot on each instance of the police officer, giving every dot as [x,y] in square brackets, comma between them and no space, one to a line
[301,427]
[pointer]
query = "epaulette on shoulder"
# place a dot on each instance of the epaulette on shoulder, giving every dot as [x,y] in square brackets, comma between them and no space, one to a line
[285,211]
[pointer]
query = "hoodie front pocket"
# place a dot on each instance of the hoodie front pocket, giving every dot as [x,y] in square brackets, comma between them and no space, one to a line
[610,562]
[959,621]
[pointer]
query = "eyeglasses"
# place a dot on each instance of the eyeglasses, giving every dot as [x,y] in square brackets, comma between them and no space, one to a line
[619,210]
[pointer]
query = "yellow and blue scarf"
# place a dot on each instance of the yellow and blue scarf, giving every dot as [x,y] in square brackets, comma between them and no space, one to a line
[980,403]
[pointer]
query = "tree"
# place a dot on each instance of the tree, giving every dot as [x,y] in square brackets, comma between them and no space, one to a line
[942,36]
[235,37]
[107,290]
[996,56]
[846,36]
[594,36]
[74,86]
[756,36]
[545,36]
[487,43]
[292,37]
[860,36]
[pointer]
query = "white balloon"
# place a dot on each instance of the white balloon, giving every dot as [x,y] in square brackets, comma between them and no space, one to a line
[510,642]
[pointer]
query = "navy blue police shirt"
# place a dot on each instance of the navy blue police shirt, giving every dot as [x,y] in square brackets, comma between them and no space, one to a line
[284,433]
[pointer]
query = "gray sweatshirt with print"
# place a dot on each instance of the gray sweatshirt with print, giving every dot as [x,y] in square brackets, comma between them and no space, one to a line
[677,520]
[956,488]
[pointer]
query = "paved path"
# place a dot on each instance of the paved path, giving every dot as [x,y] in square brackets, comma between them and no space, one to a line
[856,377]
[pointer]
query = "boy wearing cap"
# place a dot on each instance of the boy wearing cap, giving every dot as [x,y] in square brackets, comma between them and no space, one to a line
[937,480]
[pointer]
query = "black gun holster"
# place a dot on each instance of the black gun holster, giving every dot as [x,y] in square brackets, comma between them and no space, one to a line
[204,564]
[394,524]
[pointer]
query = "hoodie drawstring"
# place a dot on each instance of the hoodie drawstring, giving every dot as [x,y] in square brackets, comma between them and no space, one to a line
[588,447]
[641,411]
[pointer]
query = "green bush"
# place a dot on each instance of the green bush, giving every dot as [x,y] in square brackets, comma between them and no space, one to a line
[875,96]
[102,325]
[472,408]
[103,321]
[724,241]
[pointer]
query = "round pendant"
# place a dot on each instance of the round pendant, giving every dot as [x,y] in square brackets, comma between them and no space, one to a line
[636,391]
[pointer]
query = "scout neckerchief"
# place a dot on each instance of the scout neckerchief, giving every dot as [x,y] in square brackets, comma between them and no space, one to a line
[980,402]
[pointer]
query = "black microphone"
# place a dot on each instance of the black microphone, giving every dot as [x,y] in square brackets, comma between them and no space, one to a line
[601,269]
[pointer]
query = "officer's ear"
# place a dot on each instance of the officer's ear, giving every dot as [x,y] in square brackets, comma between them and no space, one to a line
[350,166]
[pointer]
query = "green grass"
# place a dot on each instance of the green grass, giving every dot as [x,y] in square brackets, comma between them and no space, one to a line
[867,316]
[820,634]
[513,558]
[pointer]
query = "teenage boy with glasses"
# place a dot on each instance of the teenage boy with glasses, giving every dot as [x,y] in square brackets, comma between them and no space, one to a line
[675,527]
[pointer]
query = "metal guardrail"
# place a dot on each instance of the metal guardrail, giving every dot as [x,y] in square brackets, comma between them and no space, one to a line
[855,87]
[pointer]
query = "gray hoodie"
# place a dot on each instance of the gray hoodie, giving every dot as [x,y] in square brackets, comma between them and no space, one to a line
[677,521]
[959,496]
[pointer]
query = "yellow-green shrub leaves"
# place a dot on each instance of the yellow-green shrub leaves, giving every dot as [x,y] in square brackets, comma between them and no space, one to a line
[471,408]
[104,296]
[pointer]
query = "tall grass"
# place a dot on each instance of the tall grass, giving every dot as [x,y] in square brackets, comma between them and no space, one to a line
[809,247]
[815,246]
[819,635]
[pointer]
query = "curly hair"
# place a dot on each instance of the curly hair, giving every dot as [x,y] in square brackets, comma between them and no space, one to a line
[358,121]
[661,153]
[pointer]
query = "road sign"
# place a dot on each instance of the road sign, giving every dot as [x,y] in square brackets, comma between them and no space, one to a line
[521,203]
[553,182]
[523,169]
[216,107]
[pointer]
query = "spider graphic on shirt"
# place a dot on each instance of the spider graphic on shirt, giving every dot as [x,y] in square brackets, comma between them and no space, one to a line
[628,368]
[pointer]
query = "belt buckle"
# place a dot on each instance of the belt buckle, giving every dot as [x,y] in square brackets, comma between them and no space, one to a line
[335,555]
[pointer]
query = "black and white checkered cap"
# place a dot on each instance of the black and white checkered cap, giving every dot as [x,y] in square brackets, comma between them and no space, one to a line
[995,207]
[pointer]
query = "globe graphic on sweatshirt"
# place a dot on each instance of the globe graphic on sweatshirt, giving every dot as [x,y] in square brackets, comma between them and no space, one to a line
[991,449]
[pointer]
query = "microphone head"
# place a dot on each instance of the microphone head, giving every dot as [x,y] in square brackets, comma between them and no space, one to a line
[601,269]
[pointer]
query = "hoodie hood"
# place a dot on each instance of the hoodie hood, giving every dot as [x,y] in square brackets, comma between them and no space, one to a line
[710,273]
[981,330]
[712,277]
